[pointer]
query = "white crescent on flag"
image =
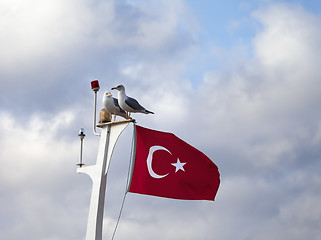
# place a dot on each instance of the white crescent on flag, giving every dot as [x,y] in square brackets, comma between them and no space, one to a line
[150,160]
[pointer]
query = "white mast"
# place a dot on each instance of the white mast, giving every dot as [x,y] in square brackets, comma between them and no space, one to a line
[98,173]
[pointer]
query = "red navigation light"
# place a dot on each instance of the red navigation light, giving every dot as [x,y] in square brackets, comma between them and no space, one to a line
[95,86]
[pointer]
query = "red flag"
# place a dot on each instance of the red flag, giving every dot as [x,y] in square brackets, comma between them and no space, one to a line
[166,166]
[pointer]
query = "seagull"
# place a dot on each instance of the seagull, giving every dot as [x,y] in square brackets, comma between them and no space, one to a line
[127,103]
[111,105]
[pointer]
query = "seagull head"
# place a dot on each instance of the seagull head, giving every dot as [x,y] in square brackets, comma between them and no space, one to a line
[108,94]
[119,88]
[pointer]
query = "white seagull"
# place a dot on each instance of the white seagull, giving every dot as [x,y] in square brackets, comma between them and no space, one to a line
[111,105]
[129,104]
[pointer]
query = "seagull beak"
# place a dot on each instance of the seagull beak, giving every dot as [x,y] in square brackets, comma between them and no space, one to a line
[113,88]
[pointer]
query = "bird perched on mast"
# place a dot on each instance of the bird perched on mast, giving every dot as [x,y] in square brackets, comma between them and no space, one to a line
[129,104]
[111,105]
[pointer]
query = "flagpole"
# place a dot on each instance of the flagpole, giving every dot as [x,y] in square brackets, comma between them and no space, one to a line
[132,162]
[98,173]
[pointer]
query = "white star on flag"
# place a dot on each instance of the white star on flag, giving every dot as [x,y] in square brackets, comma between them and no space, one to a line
[178,165]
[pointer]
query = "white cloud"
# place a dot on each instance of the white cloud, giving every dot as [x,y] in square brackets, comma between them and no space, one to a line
[268,98]
[290,36]
[35,30]
[56,44]
[38,180]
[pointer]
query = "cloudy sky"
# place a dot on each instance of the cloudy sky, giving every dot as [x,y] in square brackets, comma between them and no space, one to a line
[239,80]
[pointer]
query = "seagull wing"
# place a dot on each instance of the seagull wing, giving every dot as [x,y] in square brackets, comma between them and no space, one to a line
[117,105]
[131,102]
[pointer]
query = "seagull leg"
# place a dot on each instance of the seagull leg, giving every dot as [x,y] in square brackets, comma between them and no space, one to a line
[114,117]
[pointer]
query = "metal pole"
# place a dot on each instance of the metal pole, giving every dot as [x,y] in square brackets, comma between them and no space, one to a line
[95,87]
[95,110]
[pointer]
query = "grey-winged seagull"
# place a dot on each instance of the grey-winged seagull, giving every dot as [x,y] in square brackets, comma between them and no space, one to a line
[111,105]
[129,104]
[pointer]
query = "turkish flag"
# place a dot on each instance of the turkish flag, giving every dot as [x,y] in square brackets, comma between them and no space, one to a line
[166,166]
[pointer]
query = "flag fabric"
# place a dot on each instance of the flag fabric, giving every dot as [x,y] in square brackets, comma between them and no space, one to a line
[166,166]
